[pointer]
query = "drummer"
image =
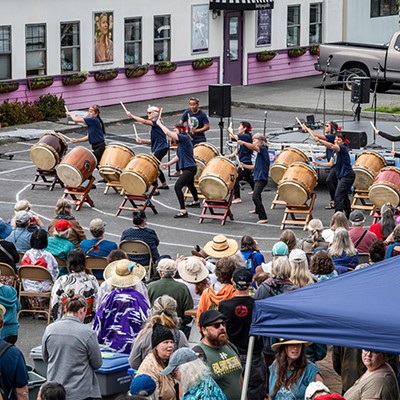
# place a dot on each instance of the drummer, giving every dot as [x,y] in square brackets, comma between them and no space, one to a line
[158,141]
[245,155]
[186,164]
[260,172]
[344,171]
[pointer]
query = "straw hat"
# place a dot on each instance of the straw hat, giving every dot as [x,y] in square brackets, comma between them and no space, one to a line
[124,273]
[220,247]
[284,342]
[192,270]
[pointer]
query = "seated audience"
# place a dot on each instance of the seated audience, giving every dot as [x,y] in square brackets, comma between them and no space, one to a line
[98,246]
[362,238]
[338,220]
[8,252]
[322,266]
[343,252]
[279,249]
[52,391]
[251,253]
[393,249]
[315,241]
[300,274]
[317,390]
[23,205]
[144,386]
[289,238]
[386,225]
[9,300]
[377,252]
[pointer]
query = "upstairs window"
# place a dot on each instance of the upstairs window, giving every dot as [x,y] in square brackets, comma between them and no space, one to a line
[293,26]
[133,41]
[383,8]
[35,40]
[70,47]
[5,52]
[162,38]
[315,23]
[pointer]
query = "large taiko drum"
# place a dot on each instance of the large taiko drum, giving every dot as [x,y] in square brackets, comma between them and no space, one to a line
[218,178]
[285,158]
[77,166]
[49,150]
[386,187]
[203,153]
[366,168]
[115,158]
[139,174]
[297,184]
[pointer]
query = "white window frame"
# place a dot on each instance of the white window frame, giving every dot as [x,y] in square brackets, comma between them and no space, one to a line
[41,53]
[166,40]
[6,50]
[137,58]
[293,25]
[317,23]
[76,49]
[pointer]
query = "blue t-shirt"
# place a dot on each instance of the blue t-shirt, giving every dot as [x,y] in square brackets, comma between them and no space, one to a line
[158,138]
[103,249]
[261,166]
[185,152]
[245,153]
[95,130]
[251,257]
[198,137]
[343,162]
[330,137]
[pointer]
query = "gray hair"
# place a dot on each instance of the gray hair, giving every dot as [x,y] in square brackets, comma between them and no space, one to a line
[192,373]
[281,267]
[167,268]
[342,243]
[63,206]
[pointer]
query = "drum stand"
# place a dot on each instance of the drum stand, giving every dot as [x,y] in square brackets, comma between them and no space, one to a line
[44,174]
[217,205]
[82,191]
[289,218]
[145,198]
[362,196]
[277,202]
[188,195]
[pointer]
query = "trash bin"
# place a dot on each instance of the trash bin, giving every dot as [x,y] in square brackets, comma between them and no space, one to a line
[34,383]
[40,365]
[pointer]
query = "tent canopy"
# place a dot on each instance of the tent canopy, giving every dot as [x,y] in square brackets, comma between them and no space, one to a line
[359,309]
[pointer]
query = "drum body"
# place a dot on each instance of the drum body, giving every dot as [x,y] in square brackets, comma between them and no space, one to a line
[218,178]
[139,174]
[49,150]
[115,158]
[285,158]
[366,168]
[297,184]
[386,187]
[77,166]
[203,153]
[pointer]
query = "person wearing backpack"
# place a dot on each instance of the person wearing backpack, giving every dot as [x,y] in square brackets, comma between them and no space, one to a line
[251,253]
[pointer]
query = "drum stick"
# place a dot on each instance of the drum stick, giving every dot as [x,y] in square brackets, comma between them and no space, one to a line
[392,147]
[123,106]
[136,134]
[302,126]
[65,137]
[312,154]
[373,126]
[160,114]
[66,109]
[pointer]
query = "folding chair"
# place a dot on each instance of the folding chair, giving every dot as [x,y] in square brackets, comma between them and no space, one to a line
[8,271]
[363,258]
[136,248]
[95,264]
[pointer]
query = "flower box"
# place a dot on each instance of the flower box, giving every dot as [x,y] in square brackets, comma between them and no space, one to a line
[296,52]
[134,71]
[105,75]
[165,67]
[314,50]
[264,56]
[8,87]
[202,63]
[40,83]
[75,79]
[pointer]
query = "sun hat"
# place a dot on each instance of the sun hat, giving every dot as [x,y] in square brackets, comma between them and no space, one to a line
[22,217]
[5,230]
[62,225]
[97,224]
[280,249]
[284,342]
[242,278]
[192,270]
[124,273]
[356,216]
[179,357]
[315,387]
[315,225]
[210,316]
[220,247]
[143,385]
[160,334]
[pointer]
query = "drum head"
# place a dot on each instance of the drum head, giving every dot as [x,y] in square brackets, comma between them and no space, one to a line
[200,166]
[122,146]
[133,183]
[364,178]
[292,193]
[381,194]
[44,156]
[277,171]
[213,187]
[69,175]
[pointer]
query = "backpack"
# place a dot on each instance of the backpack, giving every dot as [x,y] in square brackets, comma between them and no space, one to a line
[4,347]
[251,262]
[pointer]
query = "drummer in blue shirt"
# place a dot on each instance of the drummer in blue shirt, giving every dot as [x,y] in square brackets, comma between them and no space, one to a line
[186,164]
[260,172]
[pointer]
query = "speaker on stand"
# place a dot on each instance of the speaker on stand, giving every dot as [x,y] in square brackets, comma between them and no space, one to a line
[360,88]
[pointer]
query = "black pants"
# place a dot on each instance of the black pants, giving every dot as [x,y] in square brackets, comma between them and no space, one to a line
[243,175]
[186,179]
[342,201]
[258,189]
[159,154]
[332,182]
[98,150]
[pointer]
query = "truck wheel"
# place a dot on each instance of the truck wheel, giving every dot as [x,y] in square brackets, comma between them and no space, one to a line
[383,87]
[351,73]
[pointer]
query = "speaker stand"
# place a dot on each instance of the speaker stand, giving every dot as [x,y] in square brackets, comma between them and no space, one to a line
[221,135]
[357,113]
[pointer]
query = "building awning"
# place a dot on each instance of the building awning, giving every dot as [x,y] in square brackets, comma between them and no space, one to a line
[241,4]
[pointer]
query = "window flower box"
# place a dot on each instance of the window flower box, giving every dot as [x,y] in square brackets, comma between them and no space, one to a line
[164,67]
[40,83]
[136,70]
[8,87]
[105,75]
[314,50]
[296,52]
[202,63]
[75,79]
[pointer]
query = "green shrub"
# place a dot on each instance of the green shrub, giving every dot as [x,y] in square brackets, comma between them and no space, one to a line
[52,107]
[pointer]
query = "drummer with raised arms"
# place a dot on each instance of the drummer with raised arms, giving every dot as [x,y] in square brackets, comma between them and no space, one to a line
[186,164]
[158,141]
[260,172]
[244,154]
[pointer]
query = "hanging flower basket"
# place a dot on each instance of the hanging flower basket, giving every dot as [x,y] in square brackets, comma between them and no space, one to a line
[75,79]
[296,52]
[136,70]
[266,55]
[105,75]
[165,67]
[8,87]
[314,50]
[202,63]
[40,83]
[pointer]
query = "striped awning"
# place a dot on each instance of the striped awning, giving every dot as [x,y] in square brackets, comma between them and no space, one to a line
[241,4]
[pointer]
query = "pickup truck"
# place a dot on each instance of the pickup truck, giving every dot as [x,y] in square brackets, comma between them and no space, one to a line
[347,60]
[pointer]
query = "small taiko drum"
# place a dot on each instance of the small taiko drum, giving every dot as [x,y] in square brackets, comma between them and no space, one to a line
[203,153]
[218,178]
[115,158]
[366,168]
[386,187]
[285,158]
[139,174]
[77,166]
[49,150]
[297,184]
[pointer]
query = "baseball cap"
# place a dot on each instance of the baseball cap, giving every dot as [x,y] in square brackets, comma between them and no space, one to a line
[315,387]
[62,225]
[242,278]
[356,216]
[280,249]
[5,230]
[22,217]
[179,357]
[97,224]
[210,316]
[143,385]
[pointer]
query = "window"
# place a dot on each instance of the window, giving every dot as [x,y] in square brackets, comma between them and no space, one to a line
[5,52]
[293,26]
[36,49]
[383,8]
[315,23]
[133,41]
[70,47]
[162,38]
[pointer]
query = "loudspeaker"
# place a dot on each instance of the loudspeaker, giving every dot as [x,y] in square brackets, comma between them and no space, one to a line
[360,88]
[357,139]
[219,101]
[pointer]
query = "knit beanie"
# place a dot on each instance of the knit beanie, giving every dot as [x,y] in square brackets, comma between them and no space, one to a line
[160,333]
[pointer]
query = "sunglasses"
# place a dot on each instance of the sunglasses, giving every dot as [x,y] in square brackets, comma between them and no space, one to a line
[216,325]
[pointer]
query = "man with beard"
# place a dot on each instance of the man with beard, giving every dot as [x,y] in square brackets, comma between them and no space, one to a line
[221,356]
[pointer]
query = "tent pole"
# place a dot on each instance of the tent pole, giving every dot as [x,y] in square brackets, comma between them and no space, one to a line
[247,369]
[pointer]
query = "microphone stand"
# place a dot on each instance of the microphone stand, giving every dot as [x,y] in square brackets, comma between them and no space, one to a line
[374,104]
[328,63]
[265,122]
[221,135]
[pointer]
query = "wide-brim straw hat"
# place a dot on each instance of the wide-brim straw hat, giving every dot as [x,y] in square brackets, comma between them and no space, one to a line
[220,247]
[124,273]
[284,342]
[192,270]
